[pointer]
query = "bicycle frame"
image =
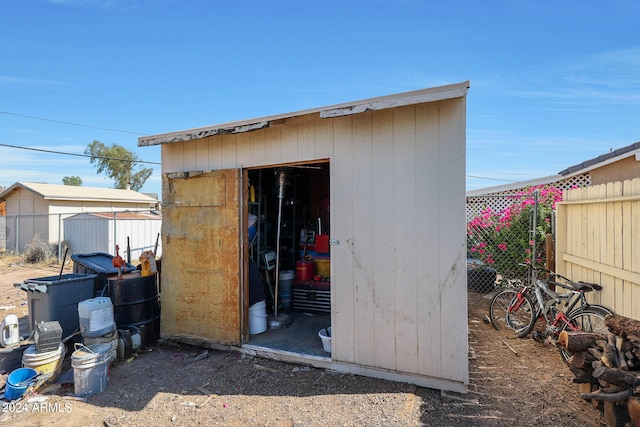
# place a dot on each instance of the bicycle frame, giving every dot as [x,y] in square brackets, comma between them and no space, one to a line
[570,298]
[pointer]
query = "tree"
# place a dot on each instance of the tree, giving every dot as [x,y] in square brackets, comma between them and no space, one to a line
[118,163]
[72,180]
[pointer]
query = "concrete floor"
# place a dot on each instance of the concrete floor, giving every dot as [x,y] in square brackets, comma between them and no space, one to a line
[300,336]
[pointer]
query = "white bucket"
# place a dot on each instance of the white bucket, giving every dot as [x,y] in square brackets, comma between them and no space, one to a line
[48,363]
[9,331]
[110,338]
[325,336]
[90,369]
[96,317]
[258,318]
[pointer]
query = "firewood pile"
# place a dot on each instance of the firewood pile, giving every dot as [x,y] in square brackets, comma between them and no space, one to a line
[607,368]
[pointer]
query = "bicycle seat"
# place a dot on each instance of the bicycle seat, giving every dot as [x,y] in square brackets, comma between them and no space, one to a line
[587,287]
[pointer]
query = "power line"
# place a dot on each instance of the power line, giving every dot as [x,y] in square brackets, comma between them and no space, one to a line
[492,179]
[77,155]
[70,123]
[133,133]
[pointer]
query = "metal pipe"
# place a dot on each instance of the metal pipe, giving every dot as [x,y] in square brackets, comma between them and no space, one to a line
[281,182]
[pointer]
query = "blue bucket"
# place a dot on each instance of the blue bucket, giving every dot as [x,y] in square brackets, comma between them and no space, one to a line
[18,381]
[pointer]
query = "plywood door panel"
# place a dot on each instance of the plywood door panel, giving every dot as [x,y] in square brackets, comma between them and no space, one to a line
[258,148]
[306,140]
[428,193]
[215,153]
[191,156]
[342,255]
[202,154]
[243,149]
[453,246]
[405,238]
[273,147]
[363,231]
[383,241]
[289,143]
[229,152]
[324,139]
[201,259]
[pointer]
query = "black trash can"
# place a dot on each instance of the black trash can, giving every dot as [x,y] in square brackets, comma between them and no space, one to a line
[99,263]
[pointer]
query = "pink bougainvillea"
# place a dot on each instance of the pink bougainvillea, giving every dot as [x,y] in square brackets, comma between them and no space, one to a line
[504,239]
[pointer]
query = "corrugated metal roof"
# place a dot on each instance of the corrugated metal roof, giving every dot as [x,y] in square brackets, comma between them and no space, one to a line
[398,100]
[120,215]
[71,192]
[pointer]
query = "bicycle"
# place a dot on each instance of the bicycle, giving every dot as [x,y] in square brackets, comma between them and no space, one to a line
[577,315]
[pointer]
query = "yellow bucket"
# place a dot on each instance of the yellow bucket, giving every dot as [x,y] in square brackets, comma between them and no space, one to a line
[323,267]
[48,363]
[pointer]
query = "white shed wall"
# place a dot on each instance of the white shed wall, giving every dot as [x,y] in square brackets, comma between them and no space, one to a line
[87,234]
[397,207]
[44,217]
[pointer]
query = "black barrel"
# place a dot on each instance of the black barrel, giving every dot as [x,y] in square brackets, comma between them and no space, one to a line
[136,304]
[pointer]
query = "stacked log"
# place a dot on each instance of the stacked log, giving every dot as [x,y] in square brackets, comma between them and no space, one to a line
[607,368]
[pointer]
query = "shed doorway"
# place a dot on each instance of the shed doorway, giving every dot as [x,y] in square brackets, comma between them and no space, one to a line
[289,274]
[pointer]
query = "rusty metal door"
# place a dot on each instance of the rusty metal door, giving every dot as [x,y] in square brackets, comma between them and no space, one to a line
[201,269]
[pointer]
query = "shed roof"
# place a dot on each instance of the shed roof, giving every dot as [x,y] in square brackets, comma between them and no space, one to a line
[71,192]
[439,93]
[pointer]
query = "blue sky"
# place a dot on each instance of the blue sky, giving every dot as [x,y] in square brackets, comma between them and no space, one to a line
[552,83]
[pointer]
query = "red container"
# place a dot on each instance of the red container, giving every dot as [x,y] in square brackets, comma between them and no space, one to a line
[322,243]
[305,269]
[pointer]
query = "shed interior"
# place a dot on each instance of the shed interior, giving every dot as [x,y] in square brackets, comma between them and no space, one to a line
[289,257]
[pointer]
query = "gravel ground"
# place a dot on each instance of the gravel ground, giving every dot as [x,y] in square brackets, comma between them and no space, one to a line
[514,382]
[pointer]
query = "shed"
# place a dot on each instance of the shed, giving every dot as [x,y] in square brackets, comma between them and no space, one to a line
[102,231]
[38,208]
[373,189]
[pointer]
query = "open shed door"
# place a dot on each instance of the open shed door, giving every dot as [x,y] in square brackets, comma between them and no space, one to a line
[201,273]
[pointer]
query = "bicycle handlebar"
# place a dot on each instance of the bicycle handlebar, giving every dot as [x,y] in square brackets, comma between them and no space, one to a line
[574,286]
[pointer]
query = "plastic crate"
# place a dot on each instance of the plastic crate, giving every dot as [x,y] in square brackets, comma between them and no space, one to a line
[47,336]
[56,298]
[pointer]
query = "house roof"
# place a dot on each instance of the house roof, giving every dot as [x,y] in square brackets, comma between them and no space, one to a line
[515,185]
[439,93]
[581,168]
[603,159]
[71,192]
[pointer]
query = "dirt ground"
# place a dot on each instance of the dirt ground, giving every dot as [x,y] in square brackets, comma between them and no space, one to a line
[172,384]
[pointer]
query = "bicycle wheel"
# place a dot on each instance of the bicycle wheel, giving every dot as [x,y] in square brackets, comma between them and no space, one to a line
[589,319]
[499,305]
[511,309]
[522,315]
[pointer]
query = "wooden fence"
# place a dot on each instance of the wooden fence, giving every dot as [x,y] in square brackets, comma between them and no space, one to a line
[598,240]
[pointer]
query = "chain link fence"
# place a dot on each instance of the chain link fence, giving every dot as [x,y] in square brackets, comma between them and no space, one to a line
[20,232]
[499,242]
